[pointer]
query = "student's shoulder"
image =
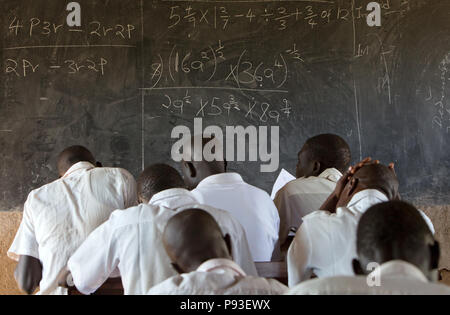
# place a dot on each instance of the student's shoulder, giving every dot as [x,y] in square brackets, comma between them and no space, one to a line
[263,285]
[318,215]
[308,185]
[179,284]
[133,216]
[223,217]
[114,172]
[256,191]
[323,220]
[48,188]
[329,286]
[326,215]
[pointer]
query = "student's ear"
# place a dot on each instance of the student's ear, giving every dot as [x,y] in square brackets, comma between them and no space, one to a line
[316,168]
[227,239]
[177,268]
[98,164]
[357,269]
[435,253]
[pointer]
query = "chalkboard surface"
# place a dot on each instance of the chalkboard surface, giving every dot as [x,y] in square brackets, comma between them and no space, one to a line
[136,69]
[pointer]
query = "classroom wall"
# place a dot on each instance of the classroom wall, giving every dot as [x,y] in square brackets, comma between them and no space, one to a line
[9,223]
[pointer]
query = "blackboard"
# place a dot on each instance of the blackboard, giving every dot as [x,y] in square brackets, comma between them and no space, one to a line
[136,69]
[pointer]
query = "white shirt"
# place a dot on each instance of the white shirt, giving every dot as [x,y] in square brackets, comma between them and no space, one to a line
[325,243]
[131,241]
[218,277]
[181,199]
[59,216]
[395,278]
[251,206]
[302,196]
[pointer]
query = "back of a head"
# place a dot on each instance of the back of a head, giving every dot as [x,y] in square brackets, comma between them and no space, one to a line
[202,158]
[156,178]
[330,150]
[73,155]
[394,230]
[380,177]
[192,237]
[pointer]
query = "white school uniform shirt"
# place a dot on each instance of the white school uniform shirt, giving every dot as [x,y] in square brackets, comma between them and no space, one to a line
[59,216]
[302,196]
[218,277]
[396,277]
[131,241]
[325,243]
[181,199]
[251,206]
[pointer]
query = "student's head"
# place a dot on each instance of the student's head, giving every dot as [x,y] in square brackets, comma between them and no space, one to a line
[192,237]
[371,176]
[196,166]
[72,155]
[395,230]
[322,152]
[156,178]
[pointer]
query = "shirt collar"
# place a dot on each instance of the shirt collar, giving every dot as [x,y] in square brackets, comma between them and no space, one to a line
[398,268]
[173,198]
[223,178]
[364,199]
[214,265]
[78,167]
[331,174]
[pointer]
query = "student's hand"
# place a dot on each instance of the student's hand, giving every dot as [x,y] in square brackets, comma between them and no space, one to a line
[392,167]
[332,201]
[349,174]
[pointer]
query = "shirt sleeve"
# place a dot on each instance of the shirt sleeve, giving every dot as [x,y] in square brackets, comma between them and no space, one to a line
[298,257]
[282,203]
[95,260]
[130,190]
[25,243]
[241,251]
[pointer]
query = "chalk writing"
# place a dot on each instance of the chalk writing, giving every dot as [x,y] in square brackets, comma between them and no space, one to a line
[25,67]
[190,106]
[208,65]
[37,27]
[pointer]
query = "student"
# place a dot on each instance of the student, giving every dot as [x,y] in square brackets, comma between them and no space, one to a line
[59,216]
[321,162]
[162,186]
[397,254]
[200,253]
[325,242]
[131,241]
[251,206]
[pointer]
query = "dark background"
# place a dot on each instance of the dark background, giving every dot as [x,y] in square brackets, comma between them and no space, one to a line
[384,89]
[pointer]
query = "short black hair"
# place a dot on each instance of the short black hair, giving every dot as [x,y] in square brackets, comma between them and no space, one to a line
[381,177]
[73,155]
[330,150]
[395,228]
[156,178]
